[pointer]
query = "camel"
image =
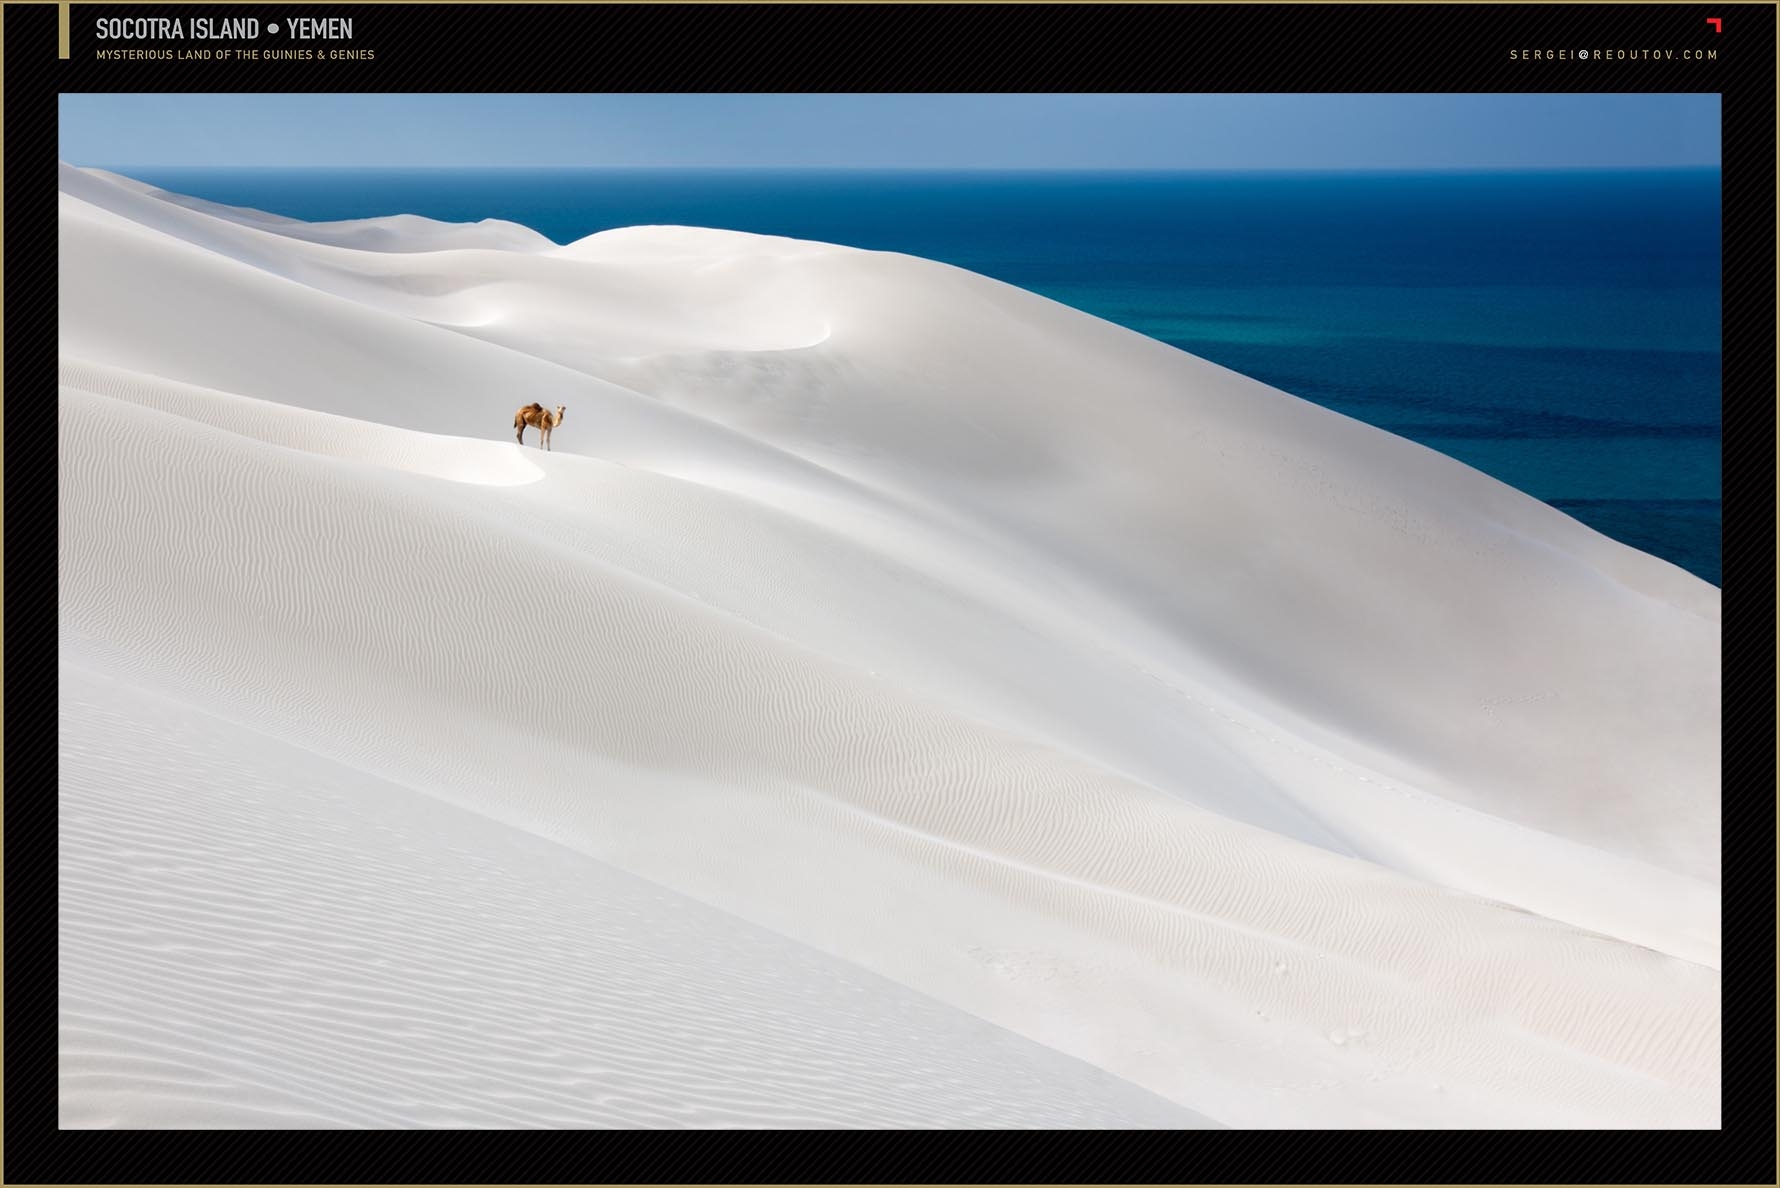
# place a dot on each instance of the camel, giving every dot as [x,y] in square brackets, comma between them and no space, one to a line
[536,414]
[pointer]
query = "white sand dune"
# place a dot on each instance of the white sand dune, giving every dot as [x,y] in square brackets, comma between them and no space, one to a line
[1055,728]
[351,952]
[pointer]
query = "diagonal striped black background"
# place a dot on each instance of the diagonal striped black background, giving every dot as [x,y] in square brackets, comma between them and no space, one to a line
[1014,47]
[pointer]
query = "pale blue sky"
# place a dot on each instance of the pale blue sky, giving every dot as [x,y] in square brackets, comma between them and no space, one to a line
[897,131]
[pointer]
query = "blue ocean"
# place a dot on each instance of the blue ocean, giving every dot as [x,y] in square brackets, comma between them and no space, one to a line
[1557,330]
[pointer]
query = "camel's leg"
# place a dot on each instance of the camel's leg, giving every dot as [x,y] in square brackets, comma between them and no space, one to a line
[520,434]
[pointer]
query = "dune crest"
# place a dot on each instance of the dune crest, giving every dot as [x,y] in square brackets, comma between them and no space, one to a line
[1210,754]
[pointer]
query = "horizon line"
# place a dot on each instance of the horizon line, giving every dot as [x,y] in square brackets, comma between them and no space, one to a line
[1049,169]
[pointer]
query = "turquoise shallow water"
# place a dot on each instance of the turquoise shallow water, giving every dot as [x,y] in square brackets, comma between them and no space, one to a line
[1559,331]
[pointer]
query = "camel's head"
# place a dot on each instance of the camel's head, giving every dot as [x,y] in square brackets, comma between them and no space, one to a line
[560,409]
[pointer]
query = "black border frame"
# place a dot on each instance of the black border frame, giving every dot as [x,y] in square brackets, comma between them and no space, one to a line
[943,47]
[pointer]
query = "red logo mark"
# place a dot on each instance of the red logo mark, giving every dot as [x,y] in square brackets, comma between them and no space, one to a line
[1717,24]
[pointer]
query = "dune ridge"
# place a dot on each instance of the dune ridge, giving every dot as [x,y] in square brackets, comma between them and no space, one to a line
[1224,758]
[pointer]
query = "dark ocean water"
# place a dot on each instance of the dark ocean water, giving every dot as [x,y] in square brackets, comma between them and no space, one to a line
[1558,331]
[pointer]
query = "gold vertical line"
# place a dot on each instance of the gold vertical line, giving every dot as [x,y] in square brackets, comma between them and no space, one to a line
[62,29]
